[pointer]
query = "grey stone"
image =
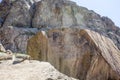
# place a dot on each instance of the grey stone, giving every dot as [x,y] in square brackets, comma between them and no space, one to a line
[20,14]
[15,38]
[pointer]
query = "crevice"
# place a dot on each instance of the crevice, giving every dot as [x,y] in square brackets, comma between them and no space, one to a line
[32,11]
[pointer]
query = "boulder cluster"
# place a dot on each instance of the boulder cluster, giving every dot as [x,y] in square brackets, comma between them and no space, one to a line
[77,41]
[21,19]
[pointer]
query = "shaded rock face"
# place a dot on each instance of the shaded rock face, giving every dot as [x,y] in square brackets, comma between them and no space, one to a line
[15,39]
[16,20]
[50,14]
[82,54]
[20,14]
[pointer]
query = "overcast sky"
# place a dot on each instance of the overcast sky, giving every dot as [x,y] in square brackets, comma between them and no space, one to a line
[109,8]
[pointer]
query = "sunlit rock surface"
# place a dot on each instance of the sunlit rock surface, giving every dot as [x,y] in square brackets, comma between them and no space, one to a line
[33,70]
[82,54]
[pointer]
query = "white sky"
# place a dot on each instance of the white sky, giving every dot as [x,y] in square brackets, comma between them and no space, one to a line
[109,8]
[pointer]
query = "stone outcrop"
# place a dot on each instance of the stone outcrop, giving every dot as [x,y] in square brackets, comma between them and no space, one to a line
[64,13]
[4,10]
[51,31]
[17,13]
[30,71]
[15,38]
[83,54]
[20,14]
[16,20]
[50,14]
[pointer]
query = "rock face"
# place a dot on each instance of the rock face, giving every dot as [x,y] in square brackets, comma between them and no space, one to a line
[30,71]
[15,38]
[16,23]
[54,26]
[83,54]
[20,14]
[64,13]
[50,14]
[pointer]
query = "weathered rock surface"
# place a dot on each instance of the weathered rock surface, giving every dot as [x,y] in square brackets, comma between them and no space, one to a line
[64,13]
[50,14]
[16,18]
[30,71]
[20,14]
[82,54]
[2,49]
[4,10]
[15,38]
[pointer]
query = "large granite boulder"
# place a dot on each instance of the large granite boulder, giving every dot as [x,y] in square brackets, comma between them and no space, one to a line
[51,14]
[83,54]
[54,13]
[64,13]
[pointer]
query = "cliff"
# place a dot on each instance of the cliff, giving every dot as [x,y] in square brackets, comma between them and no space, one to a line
[18,18]
[77,41]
